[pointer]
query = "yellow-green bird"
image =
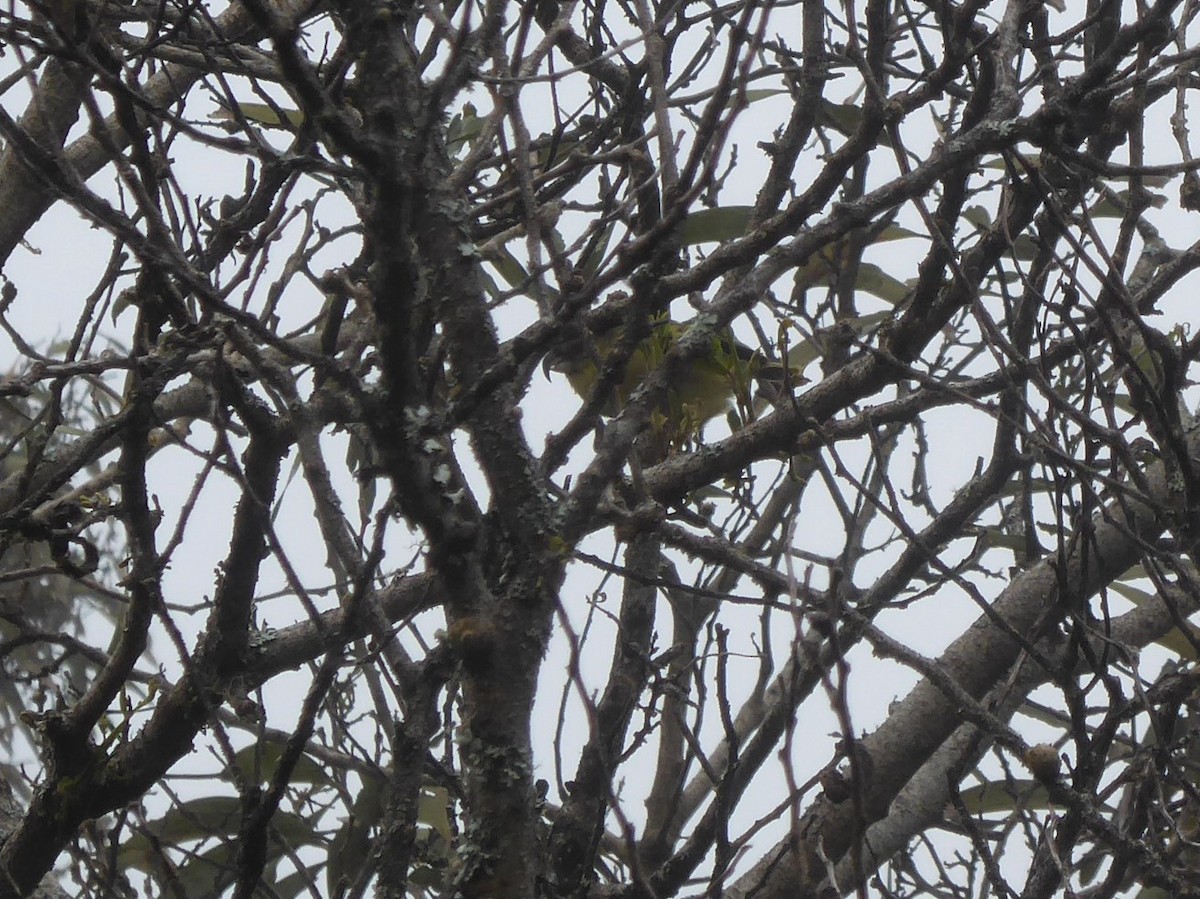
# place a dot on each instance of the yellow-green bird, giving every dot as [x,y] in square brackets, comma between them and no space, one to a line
[711,384]
[728,374]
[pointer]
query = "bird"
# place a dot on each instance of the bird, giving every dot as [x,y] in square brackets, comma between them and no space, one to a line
[712,384]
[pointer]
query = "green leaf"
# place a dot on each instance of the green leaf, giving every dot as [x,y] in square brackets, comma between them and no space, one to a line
[978,216]
[715,225]
[590,264]
[799,356]
[1001,164]
[1115,206]
[709,493]
[824,267]
[995,537]
[426,877]
[262,114]
[1050,717]
[297,883]
[204,818]
[490,287]
[433,810]
[1135,595]
[353,840]
[894,232]
[862,324]
[1019,484]
[994,798]
[211,872]
[124,300]
[1174,640]
[875,281]
[198,819]
[261,760]
[1122,401]
[1024,248]
[753,96]
[507,266]
[1089,867]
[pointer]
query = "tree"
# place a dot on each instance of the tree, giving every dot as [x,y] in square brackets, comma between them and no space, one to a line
[319,579]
